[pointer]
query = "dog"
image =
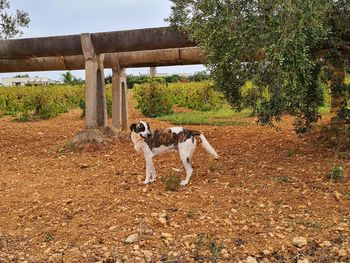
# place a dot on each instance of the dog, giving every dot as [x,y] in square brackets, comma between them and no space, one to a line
[152,143]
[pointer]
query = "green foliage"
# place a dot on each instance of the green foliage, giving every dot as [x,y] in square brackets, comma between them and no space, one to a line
[336,173]
[207,242]
[39,102]
[224,116]
[171,183]
[199,76]
[201,96]
[279,43]
[157,99]
[10,24]
[69,79]
[153,99]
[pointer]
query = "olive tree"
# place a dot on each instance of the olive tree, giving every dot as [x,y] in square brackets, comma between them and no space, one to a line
[281,46]
[10,24]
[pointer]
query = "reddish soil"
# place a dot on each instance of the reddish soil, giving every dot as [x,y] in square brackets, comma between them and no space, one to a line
[79,206]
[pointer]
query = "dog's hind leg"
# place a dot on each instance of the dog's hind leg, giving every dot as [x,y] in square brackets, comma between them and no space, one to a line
[186,150]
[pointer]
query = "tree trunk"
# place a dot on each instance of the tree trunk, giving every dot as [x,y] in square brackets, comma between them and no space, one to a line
[338,95]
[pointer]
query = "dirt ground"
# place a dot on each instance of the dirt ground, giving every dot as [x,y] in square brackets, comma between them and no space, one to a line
[268,188]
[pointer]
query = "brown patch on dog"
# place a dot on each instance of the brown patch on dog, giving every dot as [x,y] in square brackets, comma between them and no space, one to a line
[166,137]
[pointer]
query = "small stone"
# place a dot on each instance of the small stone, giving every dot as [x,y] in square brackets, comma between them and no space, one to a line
[337,195]
[299,242]
[132,238]
[326,243]
[113,228]
[148,254]
[162,220]
[166,235]
[342,253]
[250,259]
[266,252]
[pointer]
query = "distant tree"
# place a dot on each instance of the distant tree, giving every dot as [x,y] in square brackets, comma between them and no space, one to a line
[199,76]
[21,76]
[108,79]
[69,79]
[10,24]
[172,78]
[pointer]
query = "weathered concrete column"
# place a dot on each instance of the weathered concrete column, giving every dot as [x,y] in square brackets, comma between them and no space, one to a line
[119,96]
[95,96]
[124,97]
[152,72]
[116,99]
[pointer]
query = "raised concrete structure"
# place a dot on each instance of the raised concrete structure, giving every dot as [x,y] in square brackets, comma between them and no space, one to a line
[117,50]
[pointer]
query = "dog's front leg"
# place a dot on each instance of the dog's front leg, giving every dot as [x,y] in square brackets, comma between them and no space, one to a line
[150,171]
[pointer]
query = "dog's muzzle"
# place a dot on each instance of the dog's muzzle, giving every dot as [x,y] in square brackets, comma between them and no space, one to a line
[146,136]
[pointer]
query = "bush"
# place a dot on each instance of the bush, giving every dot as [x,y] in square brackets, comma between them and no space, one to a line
[39,102]
[200,96]
[153,99]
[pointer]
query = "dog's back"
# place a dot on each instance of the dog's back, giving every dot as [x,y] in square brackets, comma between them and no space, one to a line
[170,137]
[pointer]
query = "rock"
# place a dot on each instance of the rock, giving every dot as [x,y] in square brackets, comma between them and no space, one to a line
[113,228]
[266,252]
[162,220]
[337,195]
[224,253]
[304,260]
[132,238]
[148,254]
[188,236]
[299,242]
[250,259]
[166,235]
[326,244]
[342,253]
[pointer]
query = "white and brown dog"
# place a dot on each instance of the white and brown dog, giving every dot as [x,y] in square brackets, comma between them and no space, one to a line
[152,143]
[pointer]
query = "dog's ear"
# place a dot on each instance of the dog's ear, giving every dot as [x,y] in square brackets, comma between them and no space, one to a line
[132,127]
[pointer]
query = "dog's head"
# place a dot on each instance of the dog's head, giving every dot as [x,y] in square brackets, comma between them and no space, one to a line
[142,128]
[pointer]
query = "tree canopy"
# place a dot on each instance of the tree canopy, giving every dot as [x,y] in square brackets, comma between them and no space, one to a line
[281,46]
[10,24]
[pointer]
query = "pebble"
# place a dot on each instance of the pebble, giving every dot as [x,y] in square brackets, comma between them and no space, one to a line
[166,235]
[250,259]
[113,228]
[326,244]
[162,220]
[299,242]
[132,238]
[342,253]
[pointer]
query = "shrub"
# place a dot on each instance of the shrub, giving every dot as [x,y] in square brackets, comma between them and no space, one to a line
[336,173]
[171,183]
[153,99]
[200,96]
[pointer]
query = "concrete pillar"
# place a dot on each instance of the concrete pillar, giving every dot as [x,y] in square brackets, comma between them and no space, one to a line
[116,99]
[124,99]
[119,96]
[95,96]
[152,72]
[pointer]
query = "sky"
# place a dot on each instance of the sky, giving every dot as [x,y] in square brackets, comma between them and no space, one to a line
[63,17]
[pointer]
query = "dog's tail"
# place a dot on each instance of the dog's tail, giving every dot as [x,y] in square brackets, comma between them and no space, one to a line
[207,146]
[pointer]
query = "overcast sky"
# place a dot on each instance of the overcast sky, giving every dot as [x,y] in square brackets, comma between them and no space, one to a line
[63,17]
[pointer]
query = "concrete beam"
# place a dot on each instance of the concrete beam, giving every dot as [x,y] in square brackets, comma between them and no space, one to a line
[148,58]
[105,42]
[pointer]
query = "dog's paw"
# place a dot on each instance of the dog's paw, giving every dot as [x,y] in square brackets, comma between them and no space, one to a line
[184,182]
[146,181]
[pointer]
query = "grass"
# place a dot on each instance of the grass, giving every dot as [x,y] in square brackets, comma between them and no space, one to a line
[336,174]
[223,117]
